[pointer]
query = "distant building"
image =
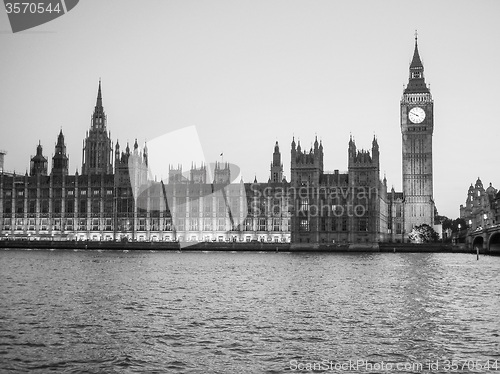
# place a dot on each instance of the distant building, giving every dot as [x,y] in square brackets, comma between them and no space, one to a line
[481,209]
[396,216]
[2,157]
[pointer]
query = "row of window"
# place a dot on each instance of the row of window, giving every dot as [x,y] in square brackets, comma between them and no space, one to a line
[56,192]
[333,225]
[57,206]
[45,224]
[154,224]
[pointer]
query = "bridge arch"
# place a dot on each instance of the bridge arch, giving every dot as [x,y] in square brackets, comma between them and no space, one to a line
[478,242]
[494,243]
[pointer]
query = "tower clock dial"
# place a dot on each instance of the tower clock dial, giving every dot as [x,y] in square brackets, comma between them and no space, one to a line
[416,115]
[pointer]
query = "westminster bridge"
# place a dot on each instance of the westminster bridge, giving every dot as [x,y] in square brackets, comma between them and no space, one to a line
[485,239]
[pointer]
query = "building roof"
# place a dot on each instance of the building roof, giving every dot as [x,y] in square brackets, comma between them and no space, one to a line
[416,82]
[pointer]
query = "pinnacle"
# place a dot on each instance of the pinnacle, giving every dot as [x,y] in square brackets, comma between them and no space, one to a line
[99,96]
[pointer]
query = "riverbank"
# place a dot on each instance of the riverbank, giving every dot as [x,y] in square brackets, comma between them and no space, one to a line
[235,246]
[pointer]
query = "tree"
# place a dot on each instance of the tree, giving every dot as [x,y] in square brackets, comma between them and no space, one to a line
[453,225]
[423,234]
[459,222]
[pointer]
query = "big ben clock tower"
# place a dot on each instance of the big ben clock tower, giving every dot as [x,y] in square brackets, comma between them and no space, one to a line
[417,125]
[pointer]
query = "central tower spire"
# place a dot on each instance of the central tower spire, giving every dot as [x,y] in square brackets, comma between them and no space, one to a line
[97,150]
[99,96]
[99,117]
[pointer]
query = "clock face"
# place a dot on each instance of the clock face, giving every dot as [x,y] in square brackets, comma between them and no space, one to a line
[416,114]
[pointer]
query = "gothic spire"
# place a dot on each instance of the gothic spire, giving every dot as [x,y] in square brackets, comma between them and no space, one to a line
[60,160]
[416,62]
[39,149]
[60,139]
[99,96]
[98,117]
[351,141]
[416,81]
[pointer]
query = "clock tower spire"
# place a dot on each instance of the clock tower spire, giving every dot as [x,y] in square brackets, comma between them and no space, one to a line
[416,80]
[417,126]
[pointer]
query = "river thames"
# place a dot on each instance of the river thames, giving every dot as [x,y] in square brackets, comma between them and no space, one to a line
[244,312]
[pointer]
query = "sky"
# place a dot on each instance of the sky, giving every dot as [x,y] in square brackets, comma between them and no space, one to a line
[249,73]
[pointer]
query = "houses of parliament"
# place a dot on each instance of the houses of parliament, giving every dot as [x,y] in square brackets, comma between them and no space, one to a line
[113,198]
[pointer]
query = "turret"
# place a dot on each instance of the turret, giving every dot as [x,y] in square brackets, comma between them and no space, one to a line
[198,175]
[351,151]
[60,160]
[375,150]
[222,175]
[2,155]
[175,174]
[117,152]
[145,154]
[276,166]
[306,167]
[491,191]
[38,164]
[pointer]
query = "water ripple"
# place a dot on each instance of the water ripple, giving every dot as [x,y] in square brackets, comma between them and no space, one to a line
[114,312]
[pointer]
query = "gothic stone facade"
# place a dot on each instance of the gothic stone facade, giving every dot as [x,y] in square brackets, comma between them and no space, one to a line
[337,207]
[114,199]
[122,203]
